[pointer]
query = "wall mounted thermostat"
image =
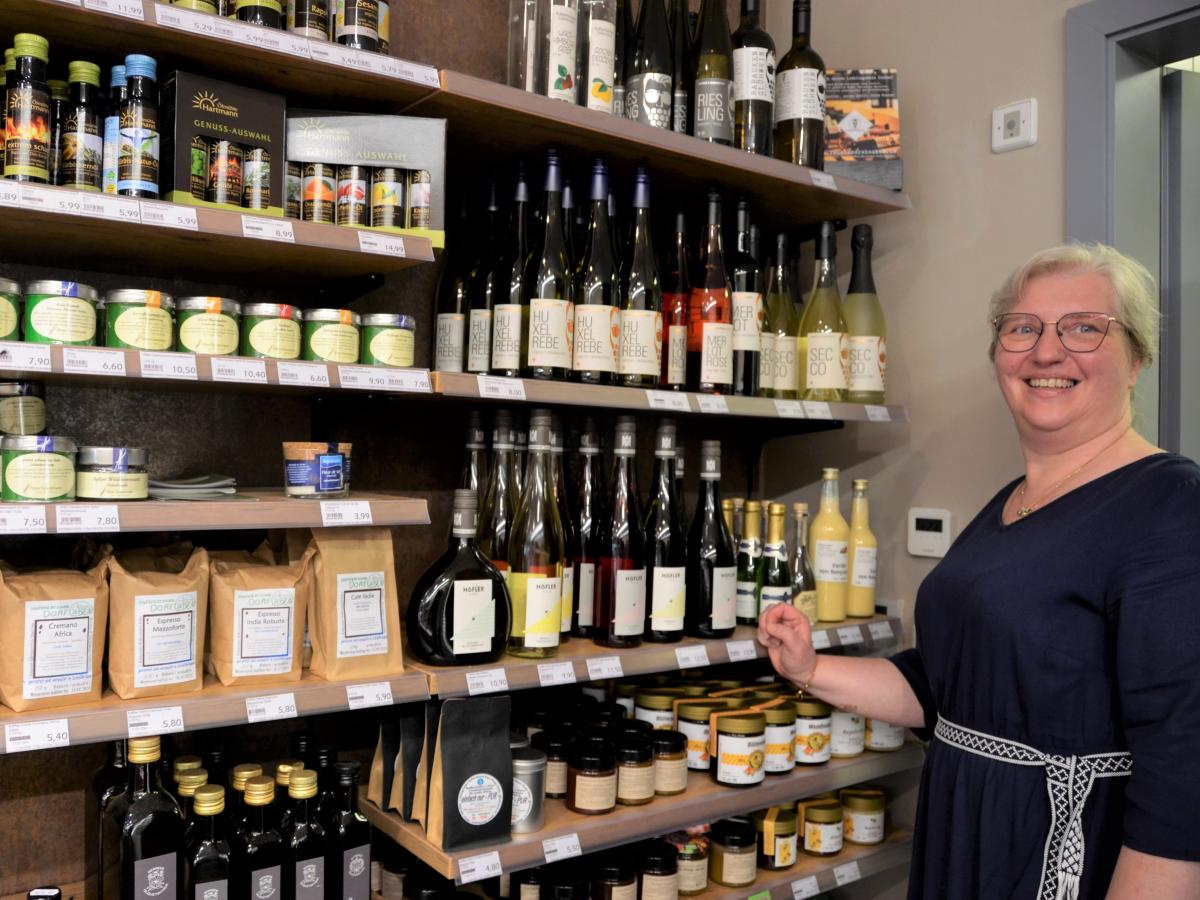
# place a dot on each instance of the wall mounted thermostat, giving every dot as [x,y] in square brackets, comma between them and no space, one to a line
[929,532]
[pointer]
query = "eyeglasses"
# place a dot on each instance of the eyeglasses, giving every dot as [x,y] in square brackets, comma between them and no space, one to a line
[1080,332]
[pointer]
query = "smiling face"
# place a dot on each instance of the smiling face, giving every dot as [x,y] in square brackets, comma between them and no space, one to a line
[1058,398]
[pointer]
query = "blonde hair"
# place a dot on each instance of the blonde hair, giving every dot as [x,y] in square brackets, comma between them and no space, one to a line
[1135,293]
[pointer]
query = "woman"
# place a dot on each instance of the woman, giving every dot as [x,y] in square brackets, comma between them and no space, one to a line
[1059,640]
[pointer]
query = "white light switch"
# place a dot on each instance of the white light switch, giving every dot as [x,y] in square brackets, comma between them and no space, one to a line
[1014,126]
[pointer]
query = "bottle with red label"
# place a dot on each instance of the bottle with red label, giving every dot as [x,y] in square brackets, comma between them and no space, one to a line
[676,287]
[710,312]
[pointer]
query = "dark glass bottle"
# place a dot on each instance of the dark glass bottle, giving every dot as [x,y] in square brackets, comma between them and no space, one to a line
[781,327]
[299,746]
[326,783]
[683,71]
[60,97]
[675,299]
[648,72]
[214,764]
[546,314]
[800,96]
[484,290]
[186,785]
[621,49]
[266,13]
[347,841]
[505,350]
[597,292]
[614,226]
[283,803]
[711,568]
[238,779]
[453,296]
[641,324]
[475,463]
[588,507]
[712,105]
[27,104]
[517,473]
[621,551]
[138,151]
[499,499]
[258,848]
[151,826]
[710,315]
[209,854]
[108,782]
[558,484]
[304,841]
[460,613]
[666,548]
[753,83]
[118,90]
[749,562]
[747,278]
[680,494]
[568,216]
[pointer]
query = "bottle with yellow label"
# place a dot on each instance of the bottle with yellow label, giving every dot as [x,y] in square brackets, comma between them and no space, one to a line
[828,544]
[863,550]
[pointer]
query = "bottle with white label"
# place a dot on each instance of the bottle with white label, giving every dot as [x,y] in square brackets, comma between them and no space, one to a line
[547,313]
[666,550]
[621,550]
[453,291]
[710,312]
[682,67]
[823,327]
[560,35]
[621,48]
[507,322]
[676,291]
[348,836]
[800,96]
[711,566]
[863,551]
[150,822]
[776,573]
[474,473]
[641,327]
[777,367]
[753,83]
[712,105]
[589,494]
[523,44]
[487,287]
[460,613]
[558,486]
[828,545]
[500,496]
[747,278]
[596,54]
[597,293]
[749,564]
[865,326]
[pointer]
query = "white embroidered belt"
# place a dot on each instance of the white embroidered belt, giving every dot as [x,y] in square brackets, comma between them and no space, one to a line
[1068,781]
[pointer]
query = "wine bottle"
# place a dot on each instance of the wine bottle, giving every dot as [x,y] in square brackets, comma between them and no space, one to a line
[620,53]
[258,848]
[109,781]
[749,564]
[507,323]
[823,327]
[753,83]
[711,566]
[666,548]
[523,45]
[747,278]
[776,573]
[641,325]
[783,326]
[347,839]
[536,554]
[496,512]
[460,613]
[804,583]
[863,553]
[710,322]
[865,326]
[712,108]
[209,854]
[598,25]
[475,464]
[589,491]
[680,462]
[560,32]
[828,541]
[737,519]
[486,288]
[519,459]
[621,551]
[800,97]
[568,217]
[304,841]
[326,784]
[547,315]
[453,290]
[597,292]
[676,289]
[150,824]
[614,225]
[648,70]
[727,515]
[558,485]
[683,73]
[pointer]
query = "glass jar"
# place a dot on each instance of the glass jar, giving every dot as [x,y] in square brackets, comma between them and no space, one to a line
[528,790]
[37,469]
[670,762]
[10,310]
[813,729]
[207,325]
[732,855]
[387,340]
[555,745]
[518,741]
[692,847]
[634,728]
[612,713]
[591,777]
[331,335]
[624,693]
[864,816]
[139,320]
[112,473]
[594,690]
[693,725]
[882,737]
[659,871]
[22,407]
[60,312]
[696,689]
[823,828]
[657,706]
[527,884]
[270,331]
[776,828]
[635,771]
[614,878]
[780,755]
[565,883]
[741,743]
[847,734]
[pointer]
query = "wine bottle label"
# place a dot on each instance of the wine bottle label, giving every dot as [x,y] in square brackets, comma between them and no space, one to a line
[747,600]
[567,606]
[713,115]
[679,110]
[775,551]
[830,561]
[597,338]
[261,639]
[766,361]
[827,355]
[772,595]
[740,760]
[474,616]
[724,598]
[155,878]
[618,109]
[266,883]
[629,614]
[641,342]
[356,867]
[787,374]
[602,38]
[667,598]
[448,346]
[747,320]
[310,880]
[868,363]
[863,569]
[535,602]
[800,94]
[716,353]
[506,336]
[362,621]
[479,341]
[216,890]
[164,638]
[648,99]
[550,326]
[754,74]
[677,354]
[560,60]
[587,593]
[58,647]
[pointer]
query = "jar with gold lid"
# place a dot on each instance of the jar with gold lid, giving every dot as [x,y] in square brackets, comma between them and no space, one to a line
[813,728]
[693,724]
[823,828]
[657,706]
[847,734]
[780,755]
[740,743]
[777,828]
[882,737]
[865,814]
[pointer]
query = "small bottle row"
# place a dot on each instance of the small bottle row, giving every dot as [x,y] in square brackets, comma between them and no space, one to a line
[379,197]
[361,24]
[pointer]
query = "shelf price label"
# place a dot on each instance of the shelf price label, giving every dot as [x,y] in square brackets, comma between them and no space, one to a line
[604,667]
[694,657]
[789,409]
[178,366]
[268,229]
[382,244]
[740,650]
[878,413]
[823,180]
[130,9]
[10,191]
[72,518]
[497,388]
[486,681]
[86,361]
[22,520]
[26,357]
[196,23]
[50,200]
[21,736]
[477,868]
[670,400]
[303,374]
[805,887]
[712,403]
[847,873]
[412,381]
[881,631]
[248,371]
[552,674]
[267,709]
[336,513]
[820,640]
[110,206]
[850,634]
[68,2]
[171,215]
[559,848]
[270,39]
[148,722]
[414,72]
[362,696]
[817,409]
[364,378]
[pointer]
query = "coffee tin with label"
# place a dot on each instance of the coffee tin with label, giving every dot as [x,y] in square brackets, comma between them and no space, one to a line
[22,407]
[270,331]
[60,312]
[331,335]
[139,320]
[208,325]
[387,340]
[37,469]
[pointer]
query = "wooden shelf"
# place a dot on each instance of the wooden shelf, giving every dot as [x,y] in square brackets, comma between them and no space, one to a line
[214,706]
[585,658]
[704,801]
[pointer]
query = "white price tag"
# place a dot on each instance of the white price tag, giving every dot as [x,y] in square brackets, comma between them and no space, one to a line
[878,413]
[365,378]
[33,196]
[26,357]
[268,229]
[22,519]
[820,640]
[86,361]
[604,667]
[805,887]
[847,873]
[789,409]
[270,39]
[477,868]
[412,381]
[565,847]
[694,657]
[823,180]
[229,368]
[148,722]
[179,366]
[486,681]
[501,388]
[10,191]
[383,244]
[881,631]
[267,709]
[171,215]
[68,2]
[712,403]
[335,513]
[551,674]
[130,9]
[850,634]
[303,374]
[198,23]
[671,400]
[36,735]
[361,696]
[740,650]
[110,206]
[817,409]
[415,72]
[74,518]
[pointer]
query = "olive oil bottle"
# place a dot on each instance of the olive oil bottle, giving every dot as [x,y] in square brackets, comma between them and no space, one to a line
[108,782]
[304,840]
[151,826]
[138,148]
[347,840]
[209,855]
[83,138]
[258,848]
[27,105]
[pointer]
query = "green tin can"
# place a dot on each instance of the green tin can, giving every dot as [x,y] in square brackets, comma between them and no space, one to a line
[37,469]
[331,335]
[22,407]
[10,310]
[139,320]
[387,340]
[208,325]
[271,331]
[60,312]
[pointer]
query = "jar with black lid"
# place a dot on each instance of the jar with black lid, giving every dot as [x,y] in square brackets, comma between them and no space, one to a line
[670,762]
[659,871]
[591,777]
[527,884]
[538,719]
[614,878]
[635,728]
[733,854]
[554,744]
[568,882]
[692,847]
[427,885]
[635,771]
[609,712]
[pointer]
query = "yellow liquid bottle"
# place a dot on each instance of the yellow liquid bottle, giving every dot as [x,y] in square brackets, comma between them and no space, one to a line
[823,327]
[866,327]
[828,545]
[860,598]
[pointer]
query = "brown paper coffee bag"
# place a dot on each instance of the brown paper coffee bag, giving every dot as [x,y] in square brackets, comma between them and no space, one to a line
[170,559]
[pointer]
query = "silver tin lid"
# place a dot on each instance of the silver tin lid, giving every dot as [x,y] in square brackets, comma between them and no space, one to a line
[63,289]
[389,320]
[37,444]
[8,286]
[138,297]
[527,761]
[271,311]
[331,315]
[226,306]
[117,457]
[22,389]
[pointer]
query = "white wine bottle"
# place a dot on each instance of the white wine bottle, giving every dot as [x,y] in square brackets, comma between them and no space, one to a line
[865,326]
[712,106]
[753,83]
[823,327]
[800,97]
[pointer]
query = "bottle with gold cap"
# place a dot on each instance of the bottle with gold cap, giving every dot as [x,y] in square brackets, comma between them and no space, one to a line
[348,840]
[237,780]
[727,514]
[209,853]
[107,783]
[185,789]
[828,542]
[776,573]
[258,849]
[183,764]
[283,802]
[304,842]
[804,583]
[749,560]
[739,519]
[151,826]
[860,597]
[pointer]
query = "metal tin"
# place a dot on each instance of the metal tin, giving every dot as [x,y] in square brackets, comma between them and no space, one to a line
[207,325]
[10,310]
[112,473]
[37,469]
[529,790]
[331,335]
[387,339]
[22,407]
[315,470]
[60,312]
[270,331]
[139,320]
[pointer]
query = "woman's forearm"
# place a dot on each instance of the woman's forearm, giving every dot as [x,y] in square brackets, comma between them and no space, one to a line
[873,688]
[1140,875]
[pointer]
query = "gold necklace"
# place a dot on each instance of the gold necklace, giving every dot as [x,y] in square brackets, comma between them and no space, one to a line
[1023,511]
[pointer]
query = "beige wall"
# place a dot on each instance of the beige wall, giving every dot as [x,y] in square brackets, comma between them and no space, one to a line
[975,215]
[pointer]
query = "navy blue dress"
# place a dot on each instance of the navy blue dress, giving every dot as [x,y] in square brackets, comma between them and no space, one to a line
[1074,631]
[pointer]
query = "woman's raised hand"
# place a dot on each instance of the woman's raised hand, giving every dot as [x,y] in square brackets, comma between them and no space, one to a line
[787,635]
